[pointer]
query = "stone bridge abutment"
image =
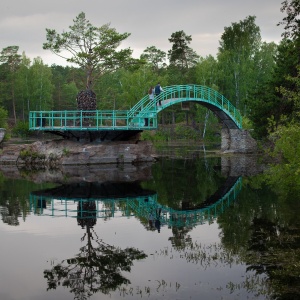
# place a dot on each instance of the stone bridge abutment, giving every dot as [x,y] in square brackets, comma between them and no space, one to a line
[237,141]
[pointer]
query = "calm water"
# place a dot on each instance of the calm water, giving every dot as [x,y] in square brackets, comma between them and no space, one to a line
[187,230]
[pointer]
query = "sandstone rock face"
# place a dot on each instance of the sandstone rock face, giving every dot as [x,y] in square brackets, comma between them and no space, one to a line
[2,134]
[64,152]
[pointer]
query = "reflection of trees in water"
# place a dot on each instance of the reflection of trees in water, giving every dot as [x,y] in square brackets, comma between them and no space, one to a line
[206,255]
[97,267]
[10,211]
[177,181]
[87,215]
[274,250]
[264,231]
[180,238]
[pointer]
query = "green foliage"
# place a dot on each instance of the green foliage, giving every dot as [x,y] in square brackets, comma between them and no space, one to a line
[155,58]
[268,102]
[287,145]
[68,92]
[3,118]
[161,135]
[66,152]
[40,86]
[247,124]
[3,122]
[291,20]
[32,157]
[11,60]
[186,132]
[238,46]
[148,135]
[293,95]
[94,49]
[206,72]
[21,129]
[284,175]
[181,55]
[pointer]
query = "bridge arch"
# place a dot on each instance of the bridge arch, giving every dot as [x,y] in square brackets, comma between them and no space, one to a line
[233,137]
[203,95]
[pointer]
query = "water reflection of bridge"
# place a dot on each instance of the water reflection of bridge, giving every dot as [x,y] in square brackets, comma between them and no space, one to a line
[111,200]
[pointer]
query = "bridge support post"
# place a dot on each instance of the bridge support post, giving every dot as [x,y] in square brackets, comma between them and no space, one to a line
[237,141]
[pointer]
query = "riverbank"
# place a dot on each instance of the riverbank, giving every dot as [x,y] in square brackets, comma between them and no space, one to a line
[52,153]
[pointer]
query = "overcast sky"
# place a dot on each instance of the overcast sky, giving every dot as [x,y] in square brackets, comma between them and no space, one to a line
[151,23]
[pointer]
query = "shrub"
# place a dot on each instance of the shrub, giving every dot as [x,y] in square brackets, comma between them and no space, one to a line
[21,129]
[3,118]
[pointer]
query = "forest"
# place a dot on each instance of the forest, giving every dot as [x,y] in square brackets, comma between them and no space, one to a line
[260,79]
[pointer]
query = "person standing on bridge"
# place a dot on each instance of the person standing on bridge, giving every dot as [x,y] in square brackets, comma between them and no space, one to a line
[151,93]
[158,89]
[151,98]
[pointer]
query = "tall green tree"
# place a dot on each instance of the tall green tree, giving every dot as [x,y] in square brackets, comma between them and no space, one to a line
[207,71]
[291,21]
[181,55]
[155,57]
[269,108]
[264,62]
[66,81]
[238,46]
[11,59]
[133,85]
[94,49]
[22,88]
[41,86]
[3,118]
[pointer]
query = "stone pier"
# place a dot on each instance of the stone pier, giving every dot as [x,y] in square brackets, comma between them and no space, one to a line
[237,141]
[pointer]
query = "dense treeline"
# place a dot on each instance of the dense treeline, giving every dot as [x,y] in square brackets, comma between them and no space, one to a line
[256,76]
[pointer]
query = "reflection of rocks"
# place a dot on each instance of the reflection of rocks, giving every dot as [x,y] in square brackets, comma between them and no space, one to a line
[241,165]
[65,152]
[73,174]
[85,191]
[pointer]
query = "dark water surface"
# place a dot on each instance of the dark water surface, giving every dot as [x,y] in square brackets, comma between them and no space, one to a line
[188,230]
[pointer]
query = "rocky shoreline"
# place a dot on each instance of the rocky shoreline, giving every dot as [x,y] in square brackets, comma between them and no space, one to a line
[53,153]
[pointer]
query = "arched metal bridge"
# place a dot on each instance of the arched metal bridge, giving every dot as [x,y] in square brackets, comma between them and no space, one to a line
[142,116]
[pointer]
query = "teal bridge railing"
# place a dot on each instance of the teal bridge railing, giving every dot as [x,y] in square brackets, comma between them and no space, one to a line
[142,116]
[144,207]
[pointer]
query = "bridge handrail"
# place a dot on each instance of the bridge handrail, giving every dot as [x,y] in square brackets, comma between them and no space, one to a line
[68,118]
[188,92]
